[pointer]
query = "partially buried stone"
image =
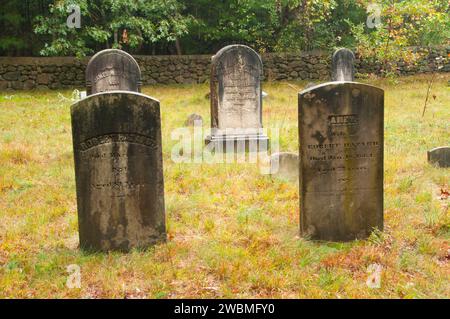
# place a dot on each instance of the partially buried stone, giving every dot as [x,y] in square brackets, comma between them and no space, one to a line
[285,165]
[440,156]
[193,119]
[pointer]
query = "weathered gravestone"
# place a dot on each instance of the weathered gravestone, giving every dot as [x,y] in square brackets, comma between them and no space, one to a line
[342,65]
[118,158]
[341,161]
[439,156]
[236,103]
[119,171]
[112,69]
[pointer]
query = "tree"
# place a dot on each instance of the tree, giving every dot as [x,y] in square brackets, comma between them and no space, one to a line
[16,24]
[128,24]
[404,24]
[219,23]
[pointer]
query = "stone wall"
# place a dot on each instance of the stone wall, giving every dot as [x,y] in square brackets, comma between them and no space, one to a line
[67,72]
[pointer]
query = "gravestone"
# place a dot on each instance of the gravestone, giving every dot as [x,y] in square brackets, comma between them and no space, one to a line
[341,161]
[193,119]
[439,156]
[119,171]
[236,100]
[342,65]
[285,165]
[111,70]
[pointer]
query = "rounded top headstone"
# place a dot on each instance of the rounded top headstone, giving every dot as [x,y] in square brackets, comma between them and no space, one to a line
[342,65]
[112,69]
[239,48]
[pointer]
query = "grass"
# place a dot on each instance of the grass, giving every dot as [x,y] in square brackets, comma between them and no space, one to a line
[232,232]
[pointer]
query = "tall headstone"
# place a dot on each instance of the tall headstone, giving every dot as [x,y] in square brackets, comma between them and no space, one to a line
[119,171]
[236,102]
[341,161]
[342,65]
[111,70]
[439,156]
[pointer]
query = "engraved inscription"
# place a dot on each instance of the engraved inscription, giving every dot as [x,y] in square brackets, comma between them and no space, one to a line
[113,73]
[342,162]
[239,102]
[350,119]
[119,137]
[120,160]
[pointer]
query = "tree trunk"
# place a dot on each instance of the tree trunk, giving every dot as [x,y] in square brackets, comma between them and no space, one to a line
[178,46]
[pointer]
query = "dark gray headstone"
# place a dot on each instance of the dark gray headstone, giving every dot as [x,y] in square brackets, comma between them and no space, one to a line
[342,65]
[111,70]
[440,156]
[341,161]
[119,171]
[285,165]
[236,102]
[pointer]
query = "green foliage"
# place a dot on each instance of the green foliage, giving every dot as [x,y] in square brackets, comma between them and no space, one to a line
[111,24]
[403,24]
[204,26]
[16,19]
[234,21]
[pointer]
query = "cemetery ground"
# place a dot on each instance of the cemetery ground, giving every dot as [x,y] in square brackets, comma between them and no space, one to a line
[232,232]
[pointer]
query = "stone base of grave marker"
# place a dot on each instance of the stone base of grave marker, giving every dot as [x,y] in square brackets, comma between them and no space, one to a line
[119,171]
[252,142]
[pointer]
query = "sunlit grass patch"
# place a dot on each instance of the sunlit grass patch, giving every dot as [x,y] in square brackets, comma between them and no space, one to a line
[232,232]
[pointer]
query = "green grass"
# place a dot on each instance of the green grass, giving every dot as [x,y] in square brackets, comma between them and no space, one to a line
[232,232]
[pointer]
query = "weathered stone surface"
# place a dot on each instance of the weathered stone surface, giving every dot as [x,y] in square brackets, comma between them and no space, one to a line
[236,102]
[11,76]
[342,65]
[439,156]
[341,160]
[119,171]
[112,69]
[43,79]
[285,165]
[192,119]
[29,84]
[196,68]
[3,85]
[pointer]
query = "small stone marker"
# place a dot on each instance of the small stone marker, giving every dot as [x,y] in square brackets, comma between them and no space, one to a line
[118,159]
[112,69]
[236,102]
[341,161]
[285,165]
[342,65]
[192,119]
[440,156]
